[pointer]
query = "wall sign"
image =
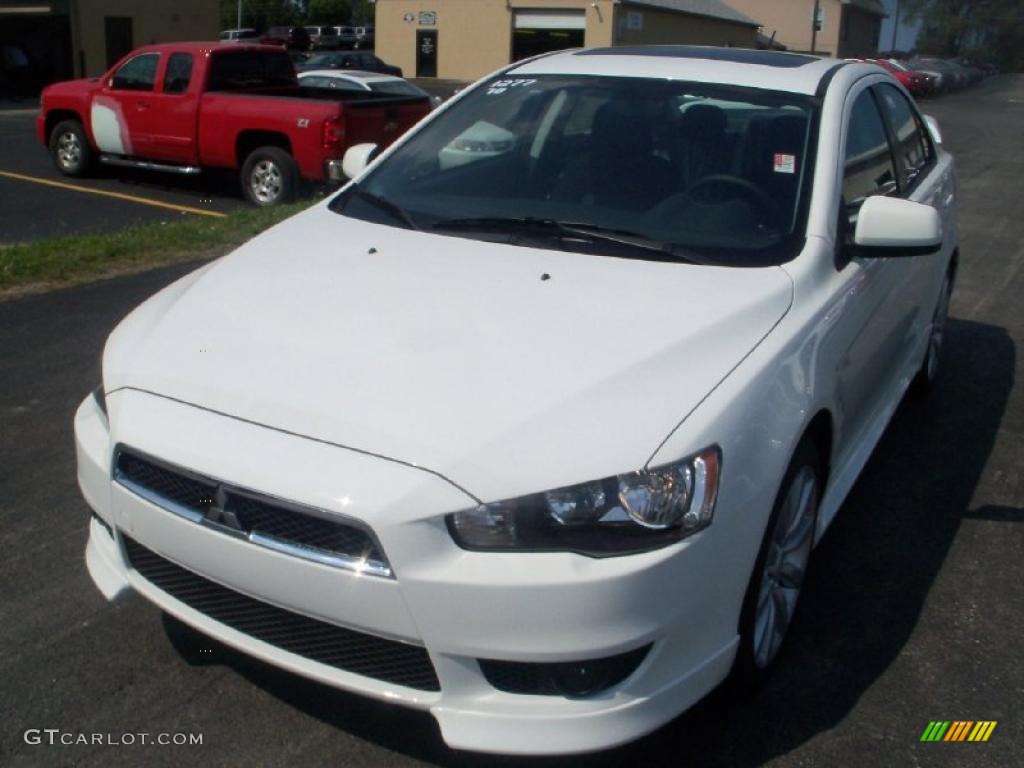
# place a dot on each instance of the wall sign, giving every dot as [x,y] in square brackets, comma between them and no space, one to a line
[428,18]
[635,20]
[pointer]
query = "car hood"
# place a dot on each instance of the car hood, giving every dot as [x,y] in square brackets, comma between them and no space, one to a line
[504,368]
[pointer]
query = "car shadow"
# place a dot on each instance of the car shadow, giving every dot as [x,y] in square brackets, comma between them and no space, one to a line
[868,582]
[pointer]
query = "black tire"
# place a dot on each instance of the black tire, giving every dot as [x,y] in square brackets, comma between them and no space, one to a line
[924,381]
[269,177]
[748,671]
[70,149]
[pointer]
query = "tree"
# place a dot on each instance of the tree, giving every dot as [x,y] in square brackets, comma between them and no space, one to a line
[259,14]
[328,12]
[990,29]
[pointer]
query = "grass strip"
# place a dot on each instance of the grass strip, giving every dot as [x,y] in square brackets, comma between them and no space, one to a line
[63,261]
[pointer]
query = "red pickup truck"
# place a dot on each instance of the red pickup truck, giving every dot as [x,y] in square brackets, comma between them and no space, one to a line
[188,106]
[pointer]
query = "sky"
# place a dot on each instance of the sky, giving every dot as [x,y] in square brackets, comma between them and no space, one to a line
[906,36]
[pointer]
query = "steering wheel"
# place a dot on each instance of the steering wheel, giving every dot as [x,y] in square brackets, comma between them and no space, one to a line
[746,188]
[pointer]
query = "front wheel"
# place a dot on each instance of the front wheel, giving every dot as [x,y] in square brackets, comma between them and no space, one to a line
[929,372]
[269,177]
[70,149]
[779,570]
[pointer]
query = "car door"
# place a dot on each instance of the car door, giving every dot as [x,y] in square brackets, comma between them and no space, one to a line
[121,115]
[923,180]
[176,101]
[868,341]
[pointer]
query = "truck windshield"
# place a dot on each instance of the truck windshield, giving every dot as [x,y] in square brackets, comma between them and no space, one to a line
[712,170]
[243,70]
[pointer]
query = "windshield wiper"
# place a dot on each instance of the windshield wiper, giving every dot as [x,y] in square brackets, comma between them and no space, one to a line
[385,205]
[591,233]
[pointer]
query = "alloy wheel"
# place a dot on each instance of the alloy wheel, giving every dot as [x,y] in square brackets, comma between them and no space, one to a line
[69,150]
[938,332]
[266,182]
[785,566]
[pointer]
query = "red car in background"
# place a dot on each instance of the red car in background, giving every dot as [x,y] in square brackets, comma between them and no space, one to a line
[918,83]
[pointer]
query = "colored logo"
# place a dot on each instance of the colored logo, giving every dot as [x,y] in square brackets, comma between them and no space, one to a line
[958,730]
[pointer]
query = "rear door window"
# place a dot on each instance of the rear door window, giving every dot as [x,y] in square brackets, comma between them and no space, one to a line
[913,149]
[179,73]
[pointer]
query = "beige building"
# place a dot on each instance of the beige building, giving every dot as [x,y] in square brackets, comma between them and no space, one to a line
[466,39]
[80,38]
[846,28]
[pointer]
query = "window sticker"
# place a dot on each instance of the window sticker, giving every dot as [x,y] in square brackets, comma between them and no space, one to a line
[783,163]
[500,86]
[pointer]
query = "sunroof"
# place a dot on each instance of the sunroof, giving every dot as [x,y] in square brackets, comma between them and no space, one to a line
[736,55]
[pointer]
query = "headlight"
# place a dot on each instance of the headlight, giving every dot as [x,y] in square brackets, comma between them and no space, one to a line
[629,513]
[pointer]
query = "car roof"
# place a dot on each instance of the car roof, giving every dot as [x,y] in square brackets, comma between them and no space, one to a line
[798,73]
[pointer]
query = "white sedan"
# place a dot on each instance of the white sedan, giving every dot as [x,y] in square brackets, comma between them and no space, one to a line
[355,81]
[541,441]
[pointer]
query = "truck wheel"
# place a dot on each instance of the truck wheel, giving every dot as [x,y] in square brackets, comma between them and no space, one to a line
[70,148]
[269,177]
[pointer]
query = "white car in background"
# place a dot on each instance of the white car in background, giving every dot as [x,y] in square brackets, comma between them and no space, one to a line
[355,81]
[539,442]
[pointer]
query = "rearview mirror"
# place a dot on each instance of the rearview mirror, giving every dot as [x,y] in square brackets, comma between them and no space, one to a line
[933,128]
[891,226]
[357,158]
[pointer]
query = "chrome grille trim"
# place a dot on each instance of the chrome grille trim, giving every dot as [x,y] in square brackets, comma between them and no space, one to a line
[223,507]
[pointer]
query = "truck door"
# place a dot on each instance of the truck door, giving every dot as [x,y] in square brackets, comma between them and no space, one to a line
[121,114]
[176,101]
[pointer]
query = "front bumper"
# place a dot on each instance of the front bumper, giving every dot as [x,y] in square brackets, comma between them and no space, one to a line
[460,606]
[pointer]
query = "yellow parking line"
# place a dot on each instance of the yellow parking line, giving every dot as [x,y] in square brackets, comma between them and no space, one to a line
[118,195]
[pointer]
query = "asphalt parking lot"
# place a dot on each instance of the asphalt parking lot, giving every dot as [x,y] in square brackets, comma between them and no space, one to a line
[913,612]
[33,207]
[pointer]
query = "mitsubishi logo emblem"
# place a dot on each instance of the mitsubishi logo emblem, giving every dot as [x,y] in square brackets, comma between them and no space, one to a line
[218,515]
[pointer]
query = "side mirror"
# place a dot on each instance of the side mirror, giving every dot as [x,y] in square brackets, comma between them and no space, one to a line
[357,158]
[891,226]
[933,128]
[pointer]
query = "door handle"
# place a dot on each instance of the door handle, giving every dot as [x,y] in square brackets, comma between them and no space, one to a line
[142,106]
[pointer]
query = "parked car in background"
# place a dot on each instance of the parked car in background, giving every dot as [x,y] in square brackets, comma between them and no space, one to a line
[347,37]
[292,38]
[928,83]
[182,108]
[354,81]
[322,38]
[541,443]
[238,34]
[915,82]
[945,78]
[365,37]
[360,60]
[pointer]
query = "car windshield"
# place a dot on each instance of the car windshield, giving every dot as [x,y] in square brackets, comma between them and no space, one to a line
[324,60]
[716,172]
[396,88]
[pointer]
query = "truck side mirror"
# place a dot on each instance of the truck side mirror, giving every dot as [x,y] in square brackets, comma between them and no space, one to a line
[356,159]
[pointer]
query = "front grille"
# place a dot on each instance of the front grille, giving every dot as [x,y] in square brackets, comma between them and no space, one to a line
[346,649]
[572,679]
[273,523]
